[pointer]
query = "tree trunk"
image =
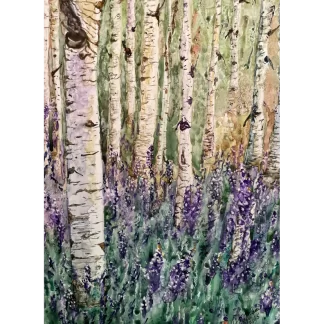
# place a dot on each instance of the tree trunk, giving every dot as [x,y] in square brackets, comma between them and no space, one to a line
[274,153]
[149,86]
[209,134]
[234,80]
[185,174]
[83,151]
[161,152]
[273,165]
[56,95]
[130,65]
[114,73]
[254,151]
[46,83]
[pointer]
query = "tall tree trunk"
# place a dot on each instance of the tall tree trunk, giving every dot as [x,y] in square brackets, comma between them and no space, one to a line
[274,153]
[56,95]
[254,151]
[234,80]
[83,151]
[114,73]
[209,134]
[273,165]
[271,83]
[185,174]
[130,65]
[46,82]
[149,86]
[161,152]
[233,94]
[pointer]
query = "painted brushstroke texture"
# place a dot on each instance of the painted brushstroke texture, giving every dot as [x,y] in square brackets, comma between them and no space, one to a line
[184,96]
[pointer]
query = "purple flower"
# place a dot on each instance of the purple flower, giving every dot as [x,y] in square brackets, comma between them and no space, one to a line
[154,270]
[46,111]
[266,302]
[122,244]
[275,244]
[179,276]
[192,207]
[61,233]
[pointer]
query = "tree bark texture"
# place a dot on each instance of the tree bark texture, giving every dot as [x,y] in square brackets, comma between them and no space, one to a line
[83,151]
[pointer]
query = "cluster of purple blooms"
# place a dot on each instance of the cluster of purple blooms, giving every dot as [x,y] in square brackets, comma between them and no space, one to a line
[55,218]
[154,270]
[149,159]
[179,276]
[192,207]
[122,244]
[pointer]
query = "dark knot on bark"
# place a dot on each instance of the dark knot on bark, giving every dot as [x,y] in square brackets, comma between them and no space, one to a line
[76,40]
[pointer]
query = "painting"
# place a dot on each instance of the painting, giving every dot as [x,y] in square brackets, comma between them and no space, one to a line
[162,161]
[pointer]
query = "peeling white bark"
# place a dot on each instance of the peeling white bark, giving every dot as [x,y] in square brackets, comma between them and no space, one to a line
[185,174]
[274,153]
[83,155]
[56,98]
[209,134]
[46,78]
[114,73]
[254,152]
[149,85]
[130,65]
[161,152]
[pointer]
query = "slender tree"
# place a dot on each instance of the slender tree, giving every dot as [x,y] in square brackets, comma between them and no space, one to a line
[161,152]
[185,173]
[55,64]
[130,65]
[83,150]
[114,73]
[254,151]
[209,134]
[149,85]
[46,82]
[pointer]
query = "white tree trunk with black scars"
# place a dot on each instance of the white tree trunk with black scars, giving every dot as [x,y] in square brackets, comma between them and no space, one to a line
[234,79]
[149,86]
[83,151]
[161,152]
[185,173]
[114,73]
[130,64]
[273,165]
[209,134]
[274,153]
[56,98]
[46,80]
[254,151]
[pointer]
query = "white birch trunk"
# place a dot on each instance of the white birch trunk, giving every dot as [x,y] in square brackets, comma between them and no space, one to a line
[234,79]
[185,174]
[130,65]
[46,79]
[114,73]
[254,152]
[209,134]
[149,86]
[274,153]
[83,153]
[56,98]
[273,165]
[161,152]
